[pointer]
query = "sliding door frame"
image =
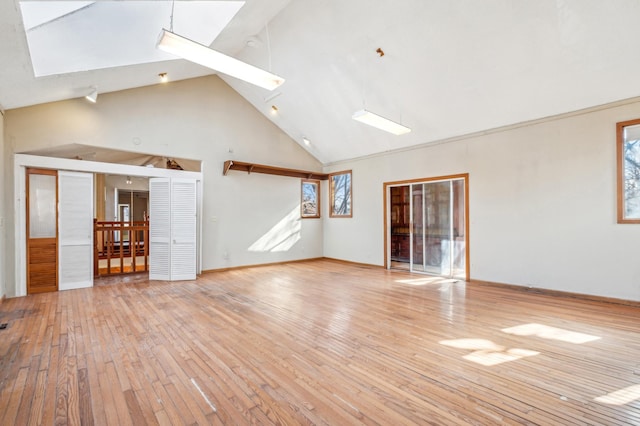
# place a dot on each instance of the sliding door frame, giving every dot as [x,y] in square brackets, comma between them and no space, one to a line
[387,224]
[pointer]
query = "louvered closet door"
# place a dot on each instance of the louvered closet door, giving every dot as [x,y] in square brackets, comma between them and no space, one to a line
[183,229]
[75,230]
[172,229]
[159,229]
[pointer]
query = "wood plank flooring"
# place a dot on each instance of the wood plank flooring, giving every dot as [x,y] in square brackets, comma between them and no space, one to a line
[317,342]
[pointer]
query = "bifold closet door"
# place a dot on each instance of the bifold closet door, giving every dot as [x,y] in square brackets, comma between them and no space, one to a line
[172,229]
[159,229]
[75,230]
[183,229]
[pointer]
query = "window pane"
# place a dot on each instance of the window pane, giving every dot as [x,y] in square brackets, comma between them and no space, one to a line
[631,153]
[340,193]
[42,206]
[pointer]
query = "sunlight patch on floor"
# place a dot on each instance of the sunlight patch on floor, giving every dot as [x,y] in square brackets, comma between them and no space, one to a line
[488,353]
[621,396]
[472,344]
[490,358]
[553,333]
[282,236]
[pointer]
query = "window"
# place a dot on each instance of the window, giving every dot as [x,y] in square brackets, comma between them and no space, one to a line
[628,155]
[310,203]
[340,194]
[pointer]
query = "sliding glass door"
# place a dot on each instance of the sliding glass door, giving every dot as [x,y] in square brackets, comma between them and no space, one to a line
[427,229]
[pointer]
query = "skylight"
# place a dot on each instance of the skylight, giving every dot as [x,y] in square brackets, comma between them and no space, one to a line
[72,36]
[36,13]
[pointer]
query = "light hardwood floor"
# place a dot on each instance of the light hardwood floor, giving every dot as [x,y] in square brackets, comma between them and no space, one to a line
[317,342]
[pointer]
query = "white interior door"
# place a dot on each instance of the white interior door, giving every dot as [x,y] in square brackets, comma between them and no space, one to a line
[159,229]
[183,229]
[75,230]
[172,229]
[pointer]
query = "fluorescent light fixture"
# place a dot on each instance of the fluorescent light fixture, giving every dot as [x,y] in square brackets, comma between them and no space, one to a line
[92,96]
[380,122]
[203,55]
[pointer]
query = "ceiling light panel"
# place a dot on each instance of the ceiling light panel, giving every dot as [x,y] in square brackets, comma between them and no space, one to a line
[203,55]
[380,122]
[65,38]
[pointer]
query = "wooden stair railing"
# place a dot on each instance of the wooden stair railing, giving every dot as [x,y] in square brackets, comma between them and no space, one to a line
[117,241]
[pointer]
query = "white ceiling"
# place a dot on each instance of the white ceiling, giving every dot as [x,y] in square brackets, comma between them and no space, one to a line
[450,67]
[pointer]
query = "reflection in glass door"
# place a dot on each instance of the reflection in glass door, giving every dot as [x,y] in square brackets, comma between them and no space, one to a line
[431,236]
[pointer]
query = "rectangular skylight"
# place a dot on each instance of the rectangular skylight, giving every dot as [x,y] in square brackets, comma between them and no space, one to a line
[71,36]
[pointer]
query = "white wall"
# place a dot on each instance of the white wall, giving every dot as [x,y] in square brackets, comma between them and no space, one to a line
[3,227]
[542,196]
[200,119]
[542,205]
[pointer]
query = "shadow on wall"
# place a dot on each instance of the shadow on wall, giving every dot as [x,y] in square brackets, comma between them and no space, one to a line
[282,236]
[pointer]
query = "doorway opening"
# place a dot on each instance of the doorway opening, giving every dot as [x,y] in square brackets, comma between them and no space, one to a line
[121,225]
[426,226]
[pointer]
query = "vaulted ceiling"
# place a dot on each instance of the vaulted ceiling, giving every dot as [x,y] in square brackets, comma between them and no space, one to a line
[449,68]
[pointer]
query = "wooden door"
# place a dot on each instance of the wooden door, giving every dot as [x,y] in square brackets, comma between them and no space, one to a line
[42,230]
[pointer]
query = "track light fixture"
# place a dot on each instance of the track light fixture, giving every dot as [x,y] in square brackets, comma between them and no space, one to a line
[92,96]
